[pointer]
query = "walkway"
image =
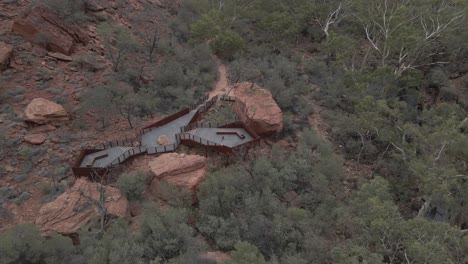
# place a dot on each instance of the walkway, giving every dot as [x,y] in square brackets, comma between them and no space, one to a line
[103,158]
[150,138]
[174,127]
[228,140]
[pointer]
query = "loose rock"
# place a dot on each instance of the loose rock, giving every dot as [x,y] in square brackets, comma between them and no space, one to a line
[42,111]
[35,139]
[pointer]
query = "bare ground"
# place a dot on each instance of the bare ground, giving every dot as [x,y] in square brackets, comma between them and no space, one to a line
[222,86]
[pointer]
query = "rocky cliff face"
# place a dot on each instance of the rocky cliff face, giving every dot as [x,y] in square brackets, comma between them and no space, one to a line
[255,106]
[78,207]
[42,26]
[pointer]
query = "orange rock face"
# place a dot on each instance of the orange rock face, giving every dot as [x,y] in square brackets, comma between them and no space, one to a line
[255,106]
[77,207]
[177,169]
[44,27]
[42,111]
[5,54]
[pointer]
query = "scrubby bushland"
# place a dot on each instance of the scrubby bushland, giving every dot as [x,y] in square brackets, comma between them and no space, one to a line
[388,76]
[132,185]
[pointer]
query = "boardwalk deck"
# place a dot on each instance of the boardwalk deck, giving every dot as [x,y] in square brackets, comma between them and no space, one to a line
[220,139]
[103,158]
[228,140]
[149,139]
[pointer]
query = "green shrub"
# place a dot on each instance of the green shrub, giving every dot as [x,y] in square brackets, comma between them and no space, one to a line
[25,152]
[51,191]
[87,62]
[24,196]
[15,91]
[24,244]
[175,196]
[27,166]
[132,185]
[165,232]
[61,172]
[46,189]
[72,10]
[21,177]
[437,78]
[79,124]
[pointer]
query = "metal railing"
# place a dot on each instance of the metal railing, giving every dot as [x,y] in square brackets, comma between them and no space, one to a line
[127,154]
[188,136]
[201,106]
[225,97]
[162,149]
[204,105]
[127,142]
[195,125]
[198,102]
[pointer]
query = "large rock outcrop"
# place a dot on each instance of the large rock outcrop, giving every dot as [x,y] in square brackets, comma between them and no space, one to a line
[255,106]
[44,27]
[5,54]
[177,169]
[42,111]
[77,207]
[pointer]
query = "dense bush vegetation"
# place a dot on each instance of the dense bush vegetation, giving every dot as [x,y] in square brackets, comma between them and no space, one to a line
[388,76]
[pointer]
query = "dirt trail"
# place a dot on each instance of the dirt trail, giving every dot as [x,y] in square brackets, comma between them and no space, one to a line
[352,169]
[222,85]
[317,122]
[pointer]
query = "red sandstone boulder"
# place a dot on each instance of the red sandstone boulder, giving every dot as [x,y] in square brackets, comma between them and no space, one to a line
[5,54]
[43,26]
[35,139]
[42,111]
[177,169]
[255,106]
[77,207]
